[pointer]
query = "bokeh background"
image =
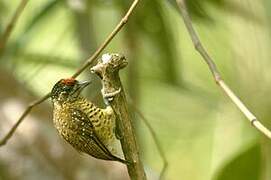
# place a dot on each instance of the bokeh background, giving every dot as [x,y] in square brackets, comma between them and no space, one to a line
[204,135]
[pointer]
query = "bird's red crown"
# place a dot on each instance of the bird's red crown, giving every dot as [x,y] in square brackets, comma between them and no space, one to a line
[69,81]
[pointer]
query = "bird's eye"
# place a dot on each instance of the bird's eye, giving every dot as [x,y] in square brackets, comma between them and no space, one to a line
[67,88]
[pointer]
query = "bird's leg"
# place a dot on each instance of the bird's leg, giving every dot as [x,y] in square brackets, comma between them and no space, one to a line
[107,98]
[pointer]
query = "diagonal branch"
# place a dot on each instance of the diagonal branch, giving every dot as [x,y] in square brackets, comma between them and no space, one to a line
[88,62]
[25,113]
[11,25]
[123,21]
[199,47]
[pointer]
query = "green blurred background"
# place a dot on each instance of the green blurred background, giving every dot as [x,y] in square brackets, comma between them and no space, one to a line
[204,135]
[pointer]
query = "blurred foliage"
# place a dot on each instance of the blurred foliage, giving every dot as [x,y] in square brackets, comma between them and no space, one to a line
[199,9]
[204,135]
[238,167]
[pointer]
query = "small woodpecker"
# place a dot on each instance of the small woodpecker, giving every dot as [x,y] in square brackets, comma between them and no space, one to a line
[86,127]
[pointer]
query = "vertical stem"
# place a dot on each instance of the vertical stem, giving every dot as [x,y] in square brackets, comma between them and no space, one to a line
[128,139]
[108,70]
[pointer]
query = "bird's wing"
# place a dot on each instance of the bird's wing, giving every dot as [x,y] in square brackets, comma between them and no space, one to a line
[92,144]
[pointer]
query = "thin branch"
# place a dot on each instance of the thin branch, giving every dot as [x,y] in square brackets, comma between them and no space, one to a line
[25,113]
[123,21]
[78,72]
[11,25]
[156,141]
[199,47]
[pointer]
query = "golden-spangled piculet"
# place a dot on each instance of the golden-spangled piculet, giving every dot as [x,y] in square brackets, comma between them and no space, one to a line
[86,127]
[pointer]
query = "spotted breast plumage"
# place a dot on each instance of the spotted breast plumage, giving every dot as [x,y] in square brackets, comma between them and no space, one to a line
[87,128]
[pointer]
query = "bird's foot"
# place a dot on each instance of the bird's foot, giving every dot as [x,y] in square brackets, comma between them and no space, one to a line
[110,96]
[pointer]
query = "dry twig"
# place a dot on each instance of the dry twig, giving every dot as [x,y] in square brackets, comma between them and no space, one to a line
[88,62]
[11,25]
[25,113]
[199,47]
[123,21]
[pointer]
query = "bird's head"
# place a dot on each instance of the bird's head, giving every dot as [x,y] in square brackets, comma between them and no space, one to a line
[67,90]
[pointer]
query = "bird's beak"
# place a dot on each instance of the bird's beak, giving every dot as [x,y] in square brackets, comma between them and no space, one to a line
[82,85]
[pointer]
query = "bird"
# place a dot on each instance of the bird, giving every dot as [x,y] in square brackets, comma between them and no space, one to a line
[81,123]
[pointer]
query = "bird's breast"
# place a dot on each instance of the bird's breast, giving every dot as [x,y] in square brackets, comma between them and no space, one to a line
[62,119]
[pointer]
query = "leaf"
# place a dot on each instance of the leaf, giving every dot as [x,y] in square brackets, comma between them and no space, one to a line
[245,165]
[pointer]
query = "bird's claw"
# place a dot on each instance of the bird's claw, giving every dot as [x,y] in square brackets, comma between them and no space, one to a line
[110,96]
